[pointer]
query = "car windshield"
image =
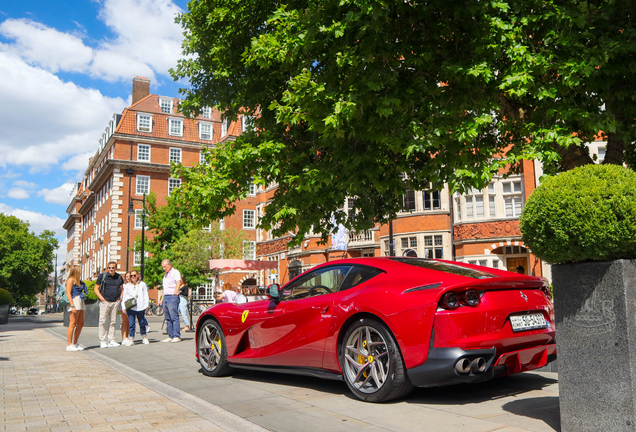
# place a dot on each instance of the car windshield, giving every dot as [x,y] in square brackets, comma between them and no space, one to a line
[445,267]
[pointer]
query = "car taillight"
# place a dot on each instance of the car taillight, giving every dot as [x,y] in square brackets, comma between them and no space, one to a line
[449,301]
[470,298]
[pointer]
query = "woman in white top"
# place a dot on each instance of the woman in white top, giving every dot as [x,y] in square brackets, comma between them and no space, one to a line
[137,289]
[124,314]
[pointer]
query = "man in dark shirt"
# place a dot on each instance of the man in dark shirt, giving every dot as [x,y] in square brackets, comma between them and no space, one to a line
[109,288]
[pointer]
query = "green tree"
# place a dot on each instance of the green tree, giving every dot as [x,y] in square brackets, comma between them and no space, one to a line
[348,95]
[25,259]
[175,235]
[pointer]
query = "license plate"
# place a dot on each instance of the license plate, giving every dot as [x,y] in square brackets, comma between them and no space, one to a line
[528,322]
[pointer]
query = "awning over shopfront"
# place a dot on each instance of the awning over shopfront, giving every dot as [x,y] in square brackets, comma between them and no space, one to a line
[235,264]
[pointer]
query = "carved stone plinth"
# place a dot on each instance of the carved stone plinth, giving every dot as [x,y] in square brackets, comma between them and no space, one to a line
[595,310]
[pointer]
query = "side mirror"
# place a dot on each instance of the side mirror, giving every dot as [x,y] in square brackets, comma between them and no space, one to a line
[274,291]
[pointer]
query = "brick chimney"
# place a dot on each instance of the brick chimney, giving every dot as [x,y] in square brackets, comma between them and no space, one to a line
[141,89]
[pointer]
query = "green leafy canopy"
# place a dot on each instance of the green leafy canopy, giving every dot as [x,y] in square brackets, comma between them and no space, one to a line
[348,95]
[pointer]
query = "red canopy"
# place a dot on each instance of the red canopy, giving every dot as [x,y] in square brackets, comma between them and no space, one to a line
[235,264]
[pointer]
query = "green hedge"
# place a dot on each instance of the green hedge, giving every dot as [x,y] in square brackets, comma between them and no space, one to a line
[91,290]
[5,297]
[588,213]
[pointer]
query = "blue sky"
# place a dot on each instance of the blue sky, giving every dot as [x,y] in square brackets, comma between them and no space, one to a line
[65,68]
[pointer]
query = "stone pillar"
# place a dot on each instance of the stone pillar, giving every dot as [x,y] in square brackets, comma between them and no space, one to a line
[595,310]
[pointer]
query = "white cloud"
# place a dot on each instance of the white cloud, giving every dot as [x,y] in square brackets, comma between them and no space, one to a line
[46,120]
[78,162]
[45,46]
[18,193]
[38,221]
[147,41]
[59,195]
[25,184]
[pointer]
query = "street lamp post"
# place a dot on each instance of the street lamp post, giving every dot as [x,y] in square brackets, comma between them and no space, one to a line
[131,211]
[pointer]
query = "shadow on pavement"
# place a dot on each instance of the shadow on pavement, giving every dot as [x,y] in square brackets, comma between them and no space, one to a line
[28,322]
[541,408]
[300,381]
[464,394]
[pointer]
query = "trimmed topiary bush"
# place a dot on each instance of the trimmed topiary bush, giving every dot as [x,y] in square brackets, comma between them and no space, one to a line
[90,285]
[588,213]
[5,297]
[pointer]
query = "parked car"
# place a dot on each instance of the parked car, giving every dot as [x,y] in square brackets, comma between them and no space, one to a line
[384,325]
[14,311]
[33,311]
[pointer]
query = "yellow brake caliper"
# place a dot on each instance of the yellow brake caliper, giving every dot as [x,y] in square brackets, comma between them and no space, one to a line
[362,359]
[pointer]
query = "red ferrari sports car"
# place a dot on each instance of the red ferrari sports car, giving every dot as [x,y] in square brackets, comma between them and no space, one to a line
[384,325]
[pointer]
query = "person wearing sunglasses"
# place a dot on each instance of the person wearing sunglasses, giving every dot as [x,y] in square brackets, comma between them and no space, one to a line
[138,290]
[109,288]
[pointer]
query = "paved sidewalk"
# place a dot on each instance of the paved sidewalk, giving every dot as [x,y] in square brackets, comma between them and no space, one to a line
[252,400]
[46,388]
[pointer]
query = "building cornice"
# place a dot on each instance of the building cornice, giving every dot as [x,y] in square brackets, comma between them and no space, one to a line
[111,164]
[72,218]
[87,204]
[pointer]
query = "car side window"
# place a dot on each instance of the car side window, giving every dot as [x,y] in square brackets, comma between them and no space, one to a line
[358,275]
[323,281]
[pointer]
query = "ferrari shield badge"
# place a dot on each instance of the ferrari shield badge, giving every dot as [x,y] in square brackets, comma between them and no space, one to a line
[244,317]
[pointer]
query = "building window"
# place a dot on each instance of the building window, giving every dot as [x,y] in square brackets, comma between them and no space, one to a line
[143,152]
[206,113]
[492,206]
[252,189]
[247,123]
[175,155]
[512,194]
[144,122]
[458,208]
[432,200]
[138,219]
[248,219]
[408,242]
[224,127]
[249,250]
[143,185]
[173,183]
[205,131]
[166,105]
[137,258]
[202,160]
[474,204]
[408,201]
[433,247]
[176,127]
[601,154]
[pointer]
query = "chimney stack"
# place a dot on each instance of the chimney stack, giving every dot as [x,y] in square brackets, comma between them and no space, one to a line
[140,89]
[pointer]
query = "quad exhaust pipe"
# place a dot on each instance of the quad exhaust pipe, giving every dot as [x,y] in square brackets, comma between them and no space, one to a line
[465,366]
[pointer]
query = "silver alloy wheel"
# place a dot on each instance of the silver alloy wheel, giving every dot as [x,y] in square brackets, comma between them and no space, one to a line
[210,347]
[367,360]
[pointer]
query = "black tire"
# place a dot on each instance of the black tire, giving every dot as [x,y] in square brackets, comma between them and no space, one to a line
[374,372]
[158,310]
[212,349]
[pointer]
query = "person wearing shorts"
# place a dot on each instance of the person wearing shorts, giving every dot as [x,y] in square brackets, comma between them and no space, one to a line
[76,293]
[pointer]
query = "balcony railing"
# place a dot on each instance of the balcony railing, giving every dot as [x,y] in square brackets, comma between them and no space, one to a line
[362,237]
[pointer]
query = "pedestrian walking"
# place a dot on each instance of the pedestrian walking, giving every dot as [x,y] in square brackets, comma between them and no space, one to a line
[76,293]
[137,290]
[123,313]
[109,288]
[171,285]
[184,293]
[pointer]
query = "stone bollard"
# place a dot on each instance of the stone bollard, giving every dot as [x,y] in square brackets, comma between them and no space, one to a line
[595,311]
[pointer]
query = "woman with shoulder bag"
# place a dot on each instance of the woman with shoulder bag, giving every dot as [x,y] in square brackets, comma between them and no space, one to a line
[136,302]
[76,293]
[124,315]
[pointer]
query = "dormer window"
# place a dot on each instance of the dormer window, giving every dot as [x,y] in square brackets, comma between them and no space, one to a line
[224,127]
[176,127]
[206,113]
[166,105]
[144,122]
[205,131]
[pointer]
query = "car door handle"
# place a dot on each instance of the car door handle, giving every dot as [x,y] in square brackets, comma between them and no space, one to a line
[324,309]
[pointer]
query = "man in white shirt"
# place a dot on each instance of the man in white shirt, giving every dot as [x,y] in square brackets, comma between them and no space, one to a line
[171,285]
